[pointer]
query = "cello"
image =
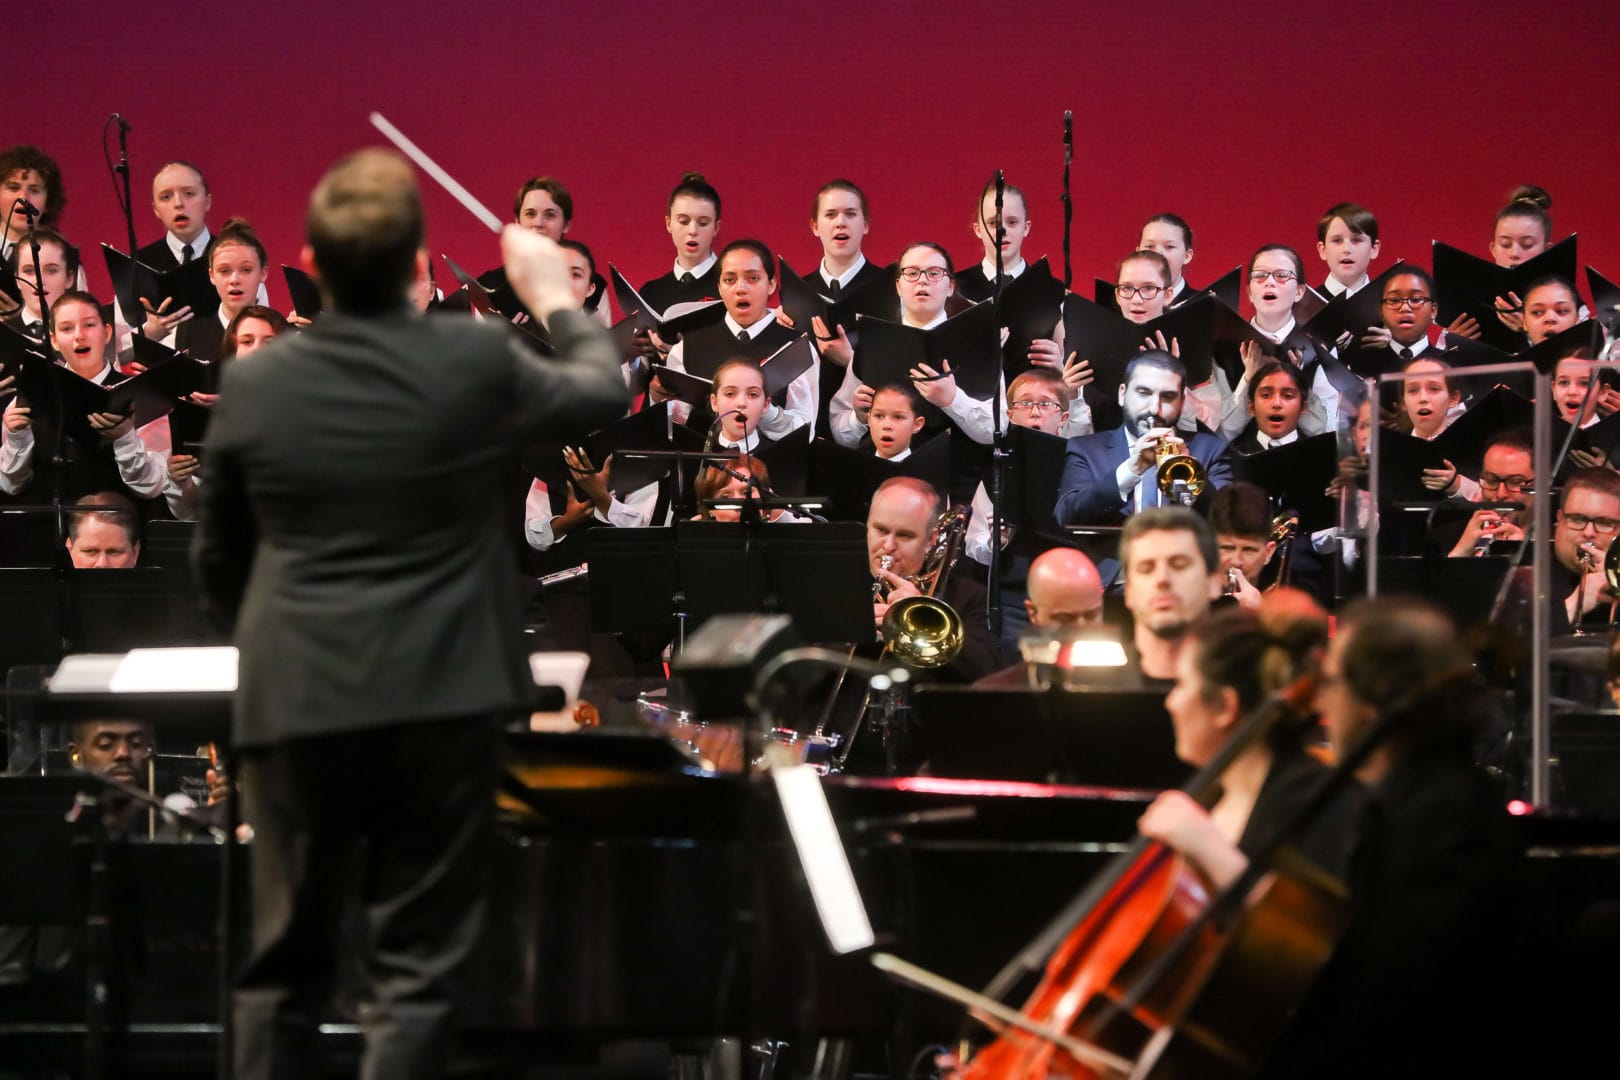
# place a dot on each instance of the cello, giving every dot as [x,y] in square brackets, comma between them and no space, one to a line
[1148,973]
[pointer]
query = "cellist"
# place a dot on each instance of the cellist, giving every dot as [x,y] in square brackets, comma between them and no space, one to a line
[1235,660]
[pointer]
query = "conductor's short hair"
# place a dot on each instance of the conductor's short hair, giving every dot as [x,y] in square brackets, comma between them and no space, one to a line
[365,226]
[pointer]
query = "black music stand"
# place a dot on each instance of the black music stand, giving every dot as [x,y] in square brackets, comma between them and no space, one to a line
[1110,738]
[83,689]
[649,579]
[98,610]
[1466,587]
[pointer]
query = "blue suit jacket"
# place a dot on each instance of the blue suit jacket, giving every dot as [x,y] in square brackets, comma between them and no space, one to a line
[1089,491]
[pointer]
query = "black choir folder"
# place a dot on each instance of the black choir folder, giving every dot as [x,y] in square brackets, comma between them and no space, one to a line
[1031,307]
[874,298]
[1466,284]
[1296,477]
[305,294]
[888,351]
[1110,341]
[848,478]
[669,324]
[780,369]
[187,285]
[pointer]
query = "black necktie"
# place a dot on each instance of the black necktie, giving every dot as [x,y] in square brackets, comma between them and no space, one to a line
[1405,353]
[687,278]
[743,337]
[186,254]
[834,288]
[1004,279]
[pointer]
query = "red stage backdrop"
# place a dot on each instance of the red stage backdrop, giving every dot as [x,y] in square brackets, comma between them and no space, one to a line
[1247,123]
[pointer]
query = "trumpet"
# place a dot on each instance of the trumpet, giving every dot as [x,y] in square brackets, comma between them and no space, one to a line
[1231,586]
[1181,476]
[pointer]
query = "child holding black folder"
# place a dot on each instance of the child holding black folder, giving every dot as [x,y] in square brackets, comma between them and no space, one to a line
[924,278]
[1523,229]
[895,419]
[237,267]
[749,330]
[81,337]
[1276,403]
[253,328]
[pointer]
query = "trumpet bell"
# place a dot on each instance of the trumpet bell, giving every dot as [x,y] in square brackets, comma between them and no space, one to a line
[923,631]
[1611,567]
[1182,469]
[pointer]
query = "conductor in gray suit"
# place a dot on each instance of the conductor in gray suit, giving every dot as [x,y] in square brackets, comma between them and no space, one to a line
[352,531]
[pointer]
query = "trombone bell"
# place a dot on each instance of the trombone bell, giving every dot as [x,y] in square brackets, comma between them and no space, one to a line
[924,632]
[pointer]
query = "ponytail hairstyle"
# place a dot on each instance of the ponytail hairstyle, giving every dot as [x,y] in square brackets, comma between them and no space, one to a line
[1531,203]
[239,232]
[694,185]
[1256,656]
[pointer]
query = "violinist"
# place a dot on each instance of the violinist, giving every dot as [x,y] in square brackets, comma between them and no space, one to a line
[1235,659]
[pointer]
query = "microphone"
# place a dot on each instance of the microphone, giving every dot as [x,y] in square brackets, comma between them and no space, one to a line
[714,429]
[27,209]
[123,125]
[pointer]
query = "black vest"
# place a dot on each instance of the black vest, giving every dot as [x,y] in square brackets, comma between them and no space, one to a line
[707,347]
[202,337]
[667,291]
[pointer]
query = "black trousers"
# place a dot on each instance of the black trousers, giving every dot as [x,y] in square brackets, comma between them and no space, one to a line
[398,820]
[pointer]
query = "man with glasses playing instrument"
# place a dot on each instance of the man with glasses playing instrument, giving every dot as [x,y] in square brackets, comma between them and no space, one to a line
[1588,516]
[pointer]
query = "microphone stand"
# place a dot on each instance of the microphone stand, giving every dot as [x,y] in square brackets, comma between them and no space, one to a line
[59,460]
[122,171]
[1068,203]
[998,455]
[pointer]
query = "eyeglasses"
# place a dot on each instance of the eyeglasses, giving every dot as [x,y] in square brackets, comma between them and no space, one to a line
[1579,522]
[1282,277]
[1146,292]
[1035,406]
[1512,483]
[934,274]
[1395,303]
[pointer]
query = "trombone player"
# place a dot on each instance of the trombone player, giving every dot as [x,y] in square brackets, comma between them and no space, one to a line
[906,533]
[1113,474]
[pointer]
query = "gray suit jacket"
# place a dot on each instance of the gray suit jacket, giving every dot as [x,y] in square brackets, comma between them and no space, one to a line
[352,518]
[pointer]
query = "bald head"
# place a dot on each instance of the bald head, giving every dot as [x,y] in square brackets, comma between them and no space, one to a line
[1064,590]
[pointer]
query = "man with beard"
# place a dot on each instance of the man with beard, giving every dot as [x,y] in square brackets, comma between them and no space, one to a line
[1114,474]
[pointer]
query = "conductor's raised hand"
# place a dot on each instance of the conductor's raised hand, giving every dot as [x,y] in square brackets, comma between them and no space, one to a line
[537,270]
[938,388]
